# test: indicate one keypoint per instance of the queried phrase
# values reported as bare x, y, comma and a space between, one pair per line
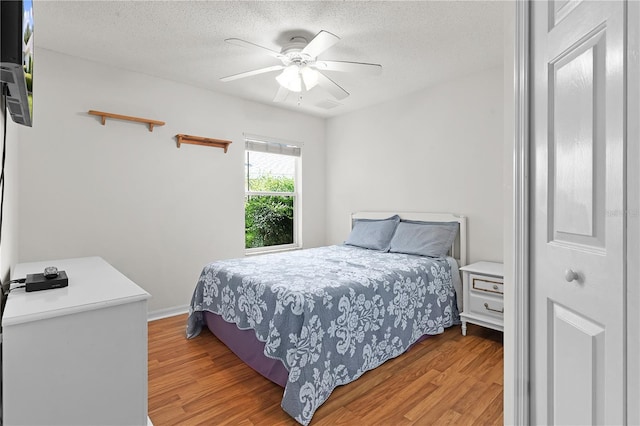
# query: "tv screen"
16, 58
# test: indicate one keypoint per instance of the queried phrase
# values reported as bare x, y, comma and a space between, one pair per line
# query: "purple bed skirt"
250, 350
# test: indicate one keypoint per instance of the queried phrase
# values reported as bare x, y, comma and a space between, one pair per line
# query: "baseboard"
168, 312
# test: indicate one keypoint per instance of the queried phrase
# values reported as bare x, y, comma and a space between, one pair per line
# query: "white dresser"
75, 355
483, 289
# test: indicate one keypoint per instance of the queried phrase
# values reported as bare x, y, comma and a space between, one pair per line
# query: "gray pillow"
374, 234
432, 239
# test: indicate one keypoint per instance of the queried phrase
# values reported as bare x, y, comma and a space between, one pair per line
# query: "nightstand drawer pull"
495, 286
486, 306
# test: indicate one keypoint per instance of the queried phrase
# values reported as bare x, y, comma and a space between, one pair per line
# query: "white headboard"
459, 247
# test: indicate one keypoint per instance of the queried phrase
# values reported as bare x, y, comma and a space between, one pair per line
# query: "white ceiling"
418, 43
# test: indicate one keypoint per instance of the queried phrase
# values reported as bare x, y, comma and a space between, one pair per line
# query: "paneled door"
577, 220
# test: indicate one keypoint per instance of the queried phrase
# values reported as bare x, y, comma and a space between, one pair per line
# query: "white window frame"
277, 146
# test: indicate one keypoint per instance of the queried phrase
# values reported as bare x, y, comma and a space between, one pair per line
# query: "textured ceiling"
418, 43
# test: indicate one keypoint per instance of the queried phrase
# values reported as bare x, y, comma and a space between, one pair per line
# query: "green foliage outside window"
269, 218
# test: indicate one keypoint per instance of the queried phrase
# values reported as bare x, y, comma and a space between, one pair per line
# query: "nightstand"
482, 301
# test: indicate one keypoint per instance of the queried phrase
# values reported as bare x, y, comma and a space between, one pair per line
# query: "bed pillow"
433, 239
374, 234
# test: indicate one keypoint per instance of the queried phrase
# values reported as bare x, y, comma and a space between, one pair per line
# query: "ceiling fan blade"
249, 45
282, 94
345, 66
332, 87
321, 42
252, 73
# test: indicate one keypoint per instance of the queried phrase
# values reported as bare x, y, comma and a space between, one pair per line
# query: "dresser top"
93, 284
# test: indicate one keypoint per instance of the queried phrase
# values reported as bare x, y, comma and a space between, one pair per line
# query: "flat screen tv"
16, 58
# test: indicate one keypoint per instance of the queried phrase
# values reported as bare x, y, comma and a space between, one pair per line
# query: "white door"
578, 199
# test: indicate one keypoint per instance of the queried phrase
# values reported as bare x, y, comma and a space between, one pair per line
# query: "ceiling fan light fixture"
290, 78
309, 76
300, 68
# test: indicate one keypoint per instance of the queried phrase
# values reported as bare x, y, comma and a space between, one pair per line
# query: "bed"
314, 319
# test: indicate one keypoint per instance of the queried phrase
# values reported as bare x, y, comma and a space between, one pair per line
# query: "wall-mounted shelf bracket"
105, 115
199, 140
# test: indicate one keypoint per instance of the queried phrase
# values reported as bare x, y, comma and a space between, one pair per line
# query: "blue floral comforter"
329, 314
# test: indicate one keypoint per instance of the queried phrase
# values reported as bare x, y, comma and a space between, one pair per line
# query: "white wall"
437, 150
155, 212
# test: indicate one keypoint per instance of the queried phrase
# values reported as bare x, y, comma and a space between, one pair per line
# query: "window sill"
273, 250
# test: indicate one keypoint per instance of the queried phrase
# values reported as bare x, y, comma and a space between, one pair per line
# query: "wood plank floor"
446, 379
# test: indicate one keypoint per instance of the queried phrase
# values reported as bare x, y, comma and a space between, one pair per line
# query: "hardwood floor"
446, 379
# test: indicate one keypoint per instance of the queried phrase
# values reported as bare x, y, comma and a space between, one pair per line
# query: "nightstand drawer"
486, 284
486, 306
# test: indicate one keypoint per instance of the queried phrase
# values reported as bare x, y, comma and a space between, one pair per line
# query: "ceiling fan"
301, 67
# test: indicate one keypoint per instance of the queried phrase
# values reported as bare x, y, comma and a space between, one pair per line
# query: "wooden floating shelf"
106, 115
199, 140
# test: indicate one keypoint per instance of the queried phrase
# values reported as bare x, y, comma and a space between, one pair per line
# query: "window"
271, 195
